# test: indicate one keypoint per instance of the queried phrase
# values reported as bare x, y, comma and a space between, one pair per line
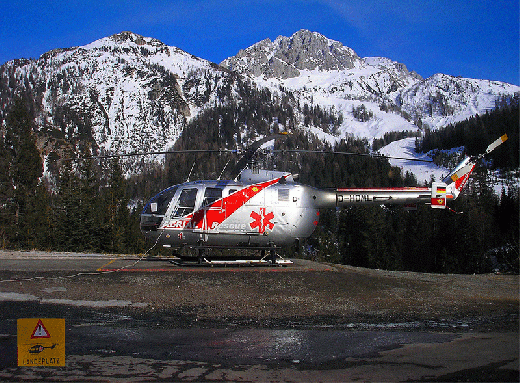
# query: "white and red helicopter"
264, 209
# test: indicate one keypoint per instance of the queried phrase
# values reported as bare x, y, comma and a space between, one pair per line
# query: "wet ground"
130, 319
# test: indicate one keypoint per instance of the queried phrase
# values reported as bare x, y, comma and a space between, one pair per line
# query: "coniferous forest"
88, 205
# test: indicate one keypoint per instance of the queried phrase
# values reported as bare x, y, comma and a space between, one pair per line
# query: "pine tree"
118, 216
90, 220
66, 209
41, 219
506, 218
7, 206
25, 170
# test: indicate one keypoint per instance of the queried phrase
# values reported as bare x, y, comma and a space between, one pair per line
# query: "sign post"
41, 342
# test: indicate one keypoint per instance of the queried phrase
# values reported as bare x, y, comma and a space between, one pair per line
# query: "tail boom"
371, 196
392, 196
437, 195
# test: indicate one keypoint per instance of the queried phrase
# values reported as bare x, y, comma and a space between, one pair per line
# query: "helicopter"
264, 210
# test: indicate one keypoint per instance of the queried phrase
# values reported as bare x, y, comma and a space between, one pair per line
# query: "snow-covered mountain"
125, 92
324, 72
129, 93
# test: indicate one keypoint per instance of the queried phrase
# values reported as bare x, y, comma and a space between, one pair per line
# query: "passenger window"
231, 191
186, 202
211, 195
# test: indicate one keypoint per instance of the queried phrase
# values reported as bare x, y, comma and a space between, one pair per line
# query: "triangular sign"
40, 331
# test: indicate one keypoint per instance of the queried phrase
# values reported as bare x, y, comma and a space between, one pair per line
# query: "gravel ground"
306, 293
131, 319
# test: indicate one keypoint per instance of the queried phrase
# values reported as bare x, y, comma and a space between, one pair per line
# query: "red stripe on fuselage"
461, 181
221, 209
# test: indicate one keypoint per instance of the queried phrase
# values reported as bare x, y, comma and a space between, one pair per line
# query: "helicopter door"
186, 202
281, 203
289, 212
212, 207
211, 195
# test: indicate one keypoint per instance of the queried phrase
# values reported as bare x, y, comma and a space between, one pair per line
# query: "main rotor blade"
350, 154
162, 152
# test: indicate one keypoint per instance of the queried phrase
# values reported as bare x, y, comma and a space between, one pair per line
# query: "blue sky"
469, 38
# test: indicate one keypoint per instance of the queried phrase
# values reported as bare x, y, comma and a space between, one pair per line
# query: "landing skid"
267, 257
234, 262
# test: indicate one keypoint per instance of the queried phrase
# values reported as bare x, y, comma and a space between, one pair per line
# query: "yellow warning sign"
41, 342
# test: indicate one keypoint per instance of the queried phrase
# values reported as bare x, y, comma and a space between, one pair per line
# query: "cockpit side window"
211, 195
186, 202
159, 204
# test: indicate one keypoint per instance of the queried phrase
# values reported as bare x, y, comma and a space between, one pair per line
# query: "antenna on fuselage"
189, 175
223, 170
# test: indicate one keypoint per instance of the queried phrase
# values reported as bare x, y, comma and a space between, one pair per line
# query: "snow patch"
423, 171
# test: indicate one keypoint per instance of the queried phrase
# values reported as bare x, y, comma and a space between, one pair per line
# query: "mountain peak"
285, 57
129, 41
127, 36
306, 36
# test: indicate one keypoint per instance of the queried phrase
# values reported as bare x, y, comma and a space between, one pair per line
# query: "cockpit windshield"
153, 213
159, 204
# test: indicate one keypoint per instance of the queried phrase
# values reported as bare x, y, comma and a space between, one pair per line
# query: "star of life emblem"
262, 220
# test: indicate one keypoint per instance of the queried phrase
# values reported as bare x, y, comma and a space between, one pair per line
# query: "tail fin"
458, 178
451, 186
